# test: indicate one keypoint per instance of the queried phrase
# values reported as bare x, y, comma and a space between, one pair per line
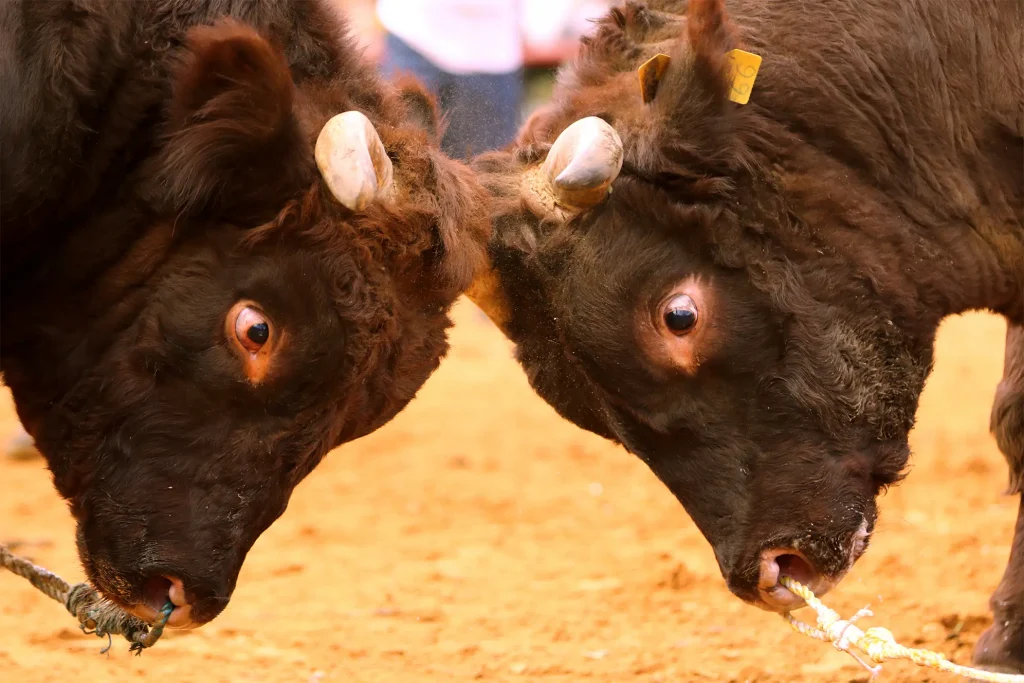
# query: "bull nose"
779, 562
157, 592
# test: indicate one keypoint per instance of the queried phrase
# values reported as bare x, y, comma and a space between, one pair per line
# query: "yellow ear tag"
743, 68
650, 73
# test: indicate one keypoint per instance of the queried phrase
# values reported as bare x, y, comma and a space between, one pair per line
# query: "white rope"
877, 643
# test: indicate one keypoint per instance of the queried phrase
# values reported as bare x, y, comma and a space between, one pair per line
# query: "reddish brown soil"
480, 537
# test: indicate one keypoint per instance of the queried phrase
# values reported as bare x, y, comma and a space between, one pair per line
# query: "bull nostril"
176, 592
159, 589
156, 592
779, 562
790, 562
796, 568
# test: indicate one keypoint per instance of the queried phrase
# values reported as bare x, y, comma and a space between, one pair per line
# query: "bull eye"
252, 329
680, 315
258, 333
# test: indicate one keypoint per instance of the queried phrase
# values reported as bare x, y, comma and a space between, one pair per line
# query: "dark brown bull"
752, 308
227, 249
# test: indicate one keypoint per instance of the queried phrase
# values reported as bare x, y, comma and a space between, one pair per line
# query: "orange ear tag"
743, 68
650, 73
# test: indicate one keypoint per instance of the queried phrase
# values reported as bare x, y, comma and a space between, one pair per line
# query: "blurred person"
472, 55
469, 53
553, 28
364, 26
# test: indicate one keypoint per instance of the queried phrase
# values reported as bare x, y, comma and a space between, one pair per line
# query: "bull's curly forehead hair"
432, 224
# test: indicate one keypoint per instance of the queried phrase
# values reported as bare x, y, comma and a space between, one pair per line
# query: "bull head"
353, 161
576, 175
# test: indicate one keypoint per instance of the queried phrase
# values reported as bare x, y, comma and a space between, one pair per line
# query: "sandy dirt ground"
480, 537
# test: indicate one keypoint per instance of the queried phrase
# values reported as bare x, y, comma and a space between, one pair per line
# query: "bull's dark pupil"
258, 333
680, 319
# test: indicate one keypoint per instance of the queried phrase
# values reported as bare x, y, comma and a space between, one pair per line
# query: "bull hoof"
1001, 649
22, 447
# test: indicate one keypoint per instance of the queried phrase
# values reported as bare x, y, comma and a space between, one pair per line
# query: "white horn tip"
584, 161
352, 160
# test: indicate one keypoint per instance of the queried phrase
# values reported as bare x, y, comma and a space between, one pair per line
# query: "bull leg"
1001, 647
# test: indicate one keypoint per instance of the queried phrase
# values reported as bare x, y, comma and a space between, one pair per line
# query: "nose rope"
877, 643
95, 614
99, 616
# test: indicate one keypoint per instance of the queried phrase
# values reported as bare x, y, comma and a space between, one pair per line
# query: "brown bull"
227, 249
746, 295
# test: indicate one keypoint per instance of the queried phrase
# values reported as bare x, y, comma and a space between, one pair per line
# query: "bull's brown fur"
873, 185
157, 167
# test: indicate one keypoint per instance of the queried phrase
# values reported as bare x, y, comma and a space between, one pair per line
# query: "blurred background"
489, 62
479, 536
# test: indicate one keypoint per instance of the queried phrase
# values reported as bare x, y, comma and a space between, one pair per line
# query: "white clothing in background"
485, 36
549, 21
459, 36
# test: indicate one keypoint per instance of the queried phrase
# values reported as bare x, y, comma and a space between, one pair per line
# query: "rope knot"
837, 633
95, 614
81, 597
877, 643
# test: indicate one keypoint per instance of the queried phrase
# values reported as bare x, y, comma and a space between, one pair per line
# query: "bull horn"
582, 164
353, 161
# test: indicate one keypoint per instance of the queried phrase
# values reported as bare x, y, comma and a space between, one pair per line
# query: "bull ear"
420, 106
233, 141
711, 38
695, 80
688, 105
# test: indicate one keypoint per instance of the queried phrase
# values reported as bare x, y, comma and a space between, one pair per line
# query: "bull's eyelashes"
253, 337
680, 315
